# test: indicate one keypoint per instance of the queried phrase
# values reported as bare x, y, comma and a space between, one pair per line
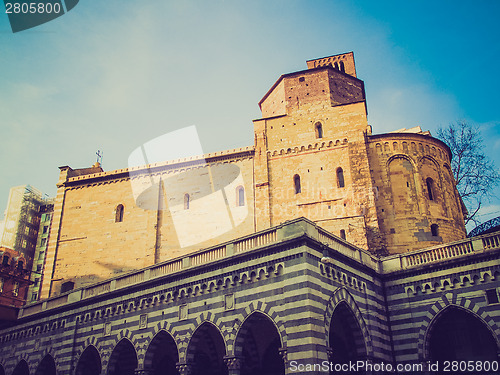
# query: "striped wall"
296, 279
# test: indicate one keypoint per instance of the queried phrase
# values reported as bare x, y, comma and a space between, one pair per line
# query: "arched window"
340, 178
318, 128
342, 234
430, 188
186, 201
342, 67
296, 183
67, 286
336, 65
119, 213
240, 196
434, 230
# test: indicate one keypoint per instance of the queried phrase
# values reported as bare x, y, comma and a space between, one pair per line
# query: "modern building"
322, 249
45, 212
21, 220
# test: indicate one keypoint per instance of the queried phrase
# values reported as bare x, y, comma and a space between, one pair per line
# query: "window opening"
119, 213
430, 188
318, 128
342, 234
340, 178
296, 182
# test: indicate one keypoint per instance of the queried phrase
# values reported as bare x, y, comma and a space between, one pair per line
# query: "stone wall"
416, 190
295, 282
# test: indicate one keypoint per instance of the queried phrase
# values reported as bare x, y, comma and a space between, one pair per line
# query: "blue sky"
111, 75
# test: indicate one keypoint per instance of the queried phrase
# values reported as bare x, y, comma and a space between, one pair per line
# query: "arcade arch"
89, 362
47, 366
346, 337
21, 368
206, 351
456, 334
258, 346
123, 359
162, 355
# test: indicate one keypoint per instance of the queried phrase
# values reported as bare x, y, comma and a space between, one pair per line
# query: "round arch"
123, 359
401, 156
431, 159
403, 180
47, 366
456, 333
162, 355
206, 351
89, 362
22, 368
258, 346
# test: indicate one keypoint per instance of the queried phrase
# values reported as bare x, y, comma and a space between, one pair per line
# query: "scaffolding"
22, 219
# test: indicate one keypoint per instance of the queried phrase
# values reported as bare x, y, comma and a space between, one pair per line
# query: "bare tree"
475, 174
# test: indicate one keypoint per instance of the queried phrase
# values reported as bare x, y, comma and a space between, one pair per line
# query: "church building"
321, 249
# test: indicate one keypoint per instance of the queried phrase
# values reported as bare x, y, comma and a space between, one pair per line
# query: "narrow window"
34, 296
240, 196
434, 230
186, 201
5, 261
430, 188
340, 178
67, 286
342, 67
296, 182
45, 229
342, 234
119, 213
336, 65
318, 128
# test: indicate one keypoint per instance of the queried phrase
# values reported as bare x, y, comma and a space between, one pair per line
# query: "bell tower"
311, 157
343, 62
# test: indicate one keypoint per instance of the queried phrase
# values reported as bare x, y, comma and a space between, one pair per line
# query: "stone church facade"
314, 156
328, 247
